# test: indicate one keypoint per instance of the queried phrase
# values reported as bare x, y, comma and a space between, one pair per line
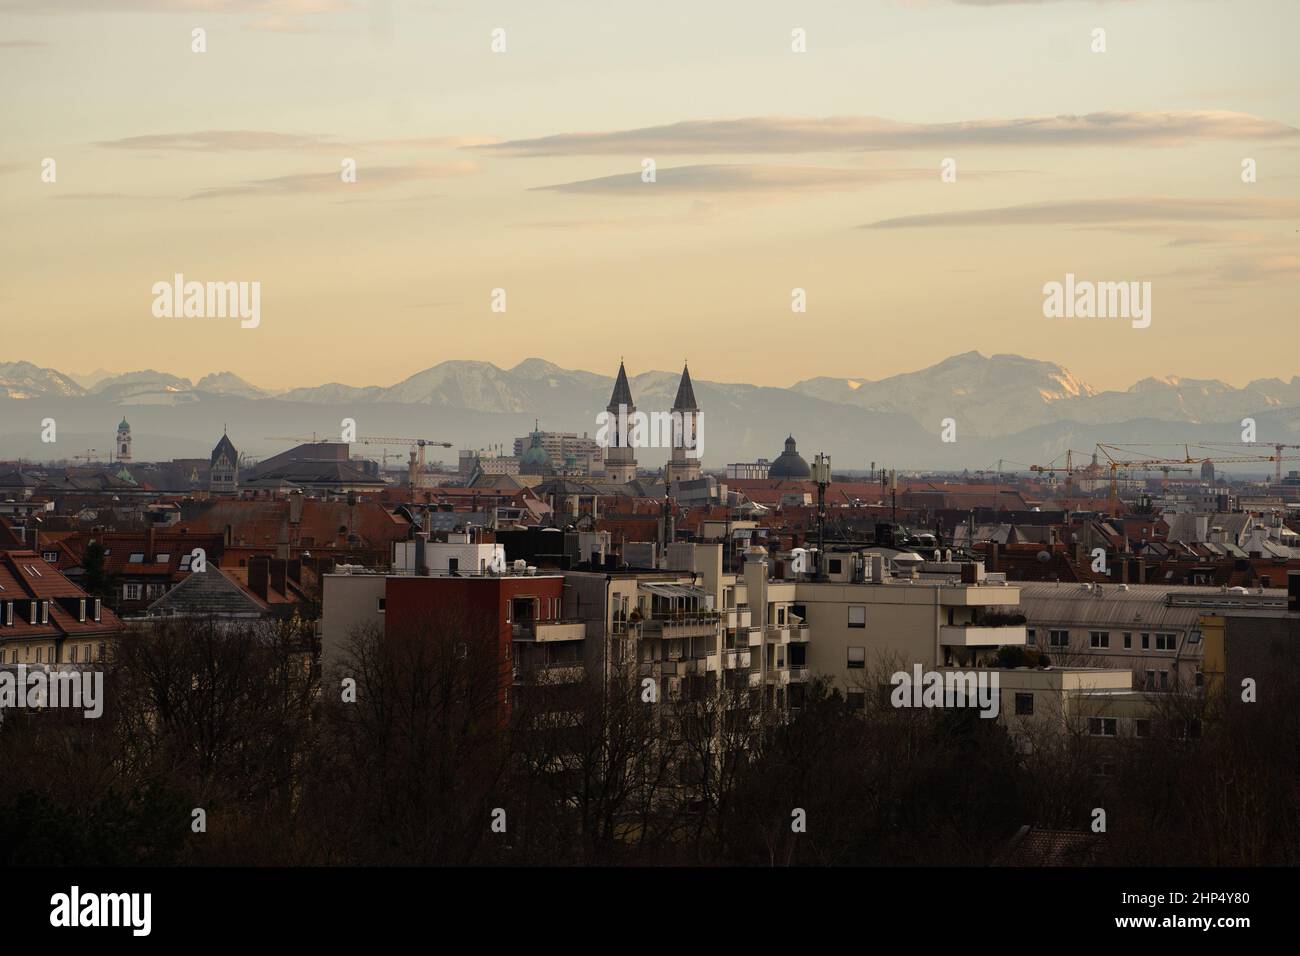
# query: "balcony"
738, 617
755, 638
972, 635
568, 672
542, 631
734, 659
694, 625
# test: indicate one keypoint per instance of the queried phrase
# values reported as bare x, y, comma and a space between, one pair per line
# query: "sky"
775, 170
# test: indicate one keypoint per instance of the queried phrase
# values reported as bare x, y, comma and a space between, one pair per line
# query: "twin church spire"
684, 465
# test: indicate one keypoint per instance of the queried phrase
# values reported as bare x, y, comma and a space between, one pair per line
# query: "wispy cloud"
740, 178
22, 44
865, 133
368, 177
245, 140
178, 6
1093, 211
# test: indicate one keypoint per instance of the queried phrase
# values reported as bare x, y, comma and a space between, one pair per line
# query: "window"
101, 651
131, 592
1025, 704
72, 654
857, 615
162, 558
185, 562
1031, 638
833, 566
153, 590
1200, 679
137, 557
1164, 680
1100, 638
1058, 638
1150, 683
857, 700
50, 556
1146, 642
1102, 726
1128, 641
1142, 727
857, 658
40, 654
381, 604
1166, 642
1194, 637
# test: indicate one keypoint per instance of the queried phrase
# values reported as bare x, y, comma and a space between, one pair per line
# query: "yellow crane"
1188, 459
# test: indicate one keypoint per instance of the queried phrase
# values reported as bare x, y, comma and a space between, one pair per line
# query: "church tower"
620, 460
685, 462
223, 471
124, 442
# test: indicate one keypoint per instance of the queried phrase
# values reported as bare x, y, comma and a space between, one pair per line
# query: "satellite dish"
1044, 556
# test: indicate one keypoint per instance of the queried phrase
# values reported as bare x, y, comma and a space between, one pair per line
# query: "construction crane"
415, 466
1277, 457
1051, 468
1187, 459
92, 454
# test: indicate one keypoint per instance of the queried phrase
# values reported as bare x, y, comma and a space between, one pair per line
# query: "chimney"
259, 569
295, 570
278, 568
991, 561
150, 548
295, 508
421, 555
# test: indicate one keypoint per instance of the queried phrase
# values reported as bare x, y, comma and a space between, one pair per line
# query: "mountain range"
1004, 406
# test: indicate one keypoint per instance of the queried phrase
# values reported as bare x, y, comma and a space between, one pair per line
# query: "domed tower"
124, 441
789, 464
620, 460
685, 462
535, 460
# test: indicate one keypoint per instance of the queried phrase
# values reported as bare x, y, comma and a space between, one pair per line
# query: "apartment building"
1154, 631
46, 619
459, 584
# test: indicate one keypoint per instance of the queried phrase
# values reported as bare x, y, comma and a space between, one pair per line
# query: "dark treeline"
410, 753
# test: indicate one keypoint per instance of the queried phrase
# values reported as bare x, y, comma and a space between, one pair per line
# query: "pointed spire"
685, 394
622, 391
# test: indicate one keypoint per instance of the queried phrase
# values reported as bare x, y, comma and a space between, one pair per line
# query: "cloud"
22, 44
222, 141
368, 177
867, 133
245, 140
1098, 211
740, 178
97, 196
291, 7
